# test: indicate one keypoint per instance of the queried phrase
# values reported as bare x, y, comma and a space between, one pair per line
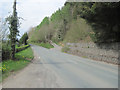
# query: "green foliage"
45, 45
79, 31
53, 29
61, 14
25, 54
80, 21
56, 16
10, 66
18, 49
6, 51
13, 27
40, 35
23, 39
104, 18
45, 21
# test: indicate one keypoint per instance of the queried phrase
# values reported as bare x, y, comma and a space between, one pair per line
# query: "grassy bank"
6, 50
22, 59
18, 49
45, 45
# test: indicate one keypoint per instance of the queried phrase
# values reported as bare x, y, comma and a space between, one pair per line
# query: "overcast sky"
33, 11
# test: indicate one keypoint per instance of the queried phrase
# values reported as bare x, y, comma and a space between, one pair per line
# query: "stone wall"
109, 52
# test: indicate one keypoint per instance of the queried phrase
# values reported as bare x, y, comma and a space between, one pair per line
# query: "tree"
104, 18
45, 21
23, 39
13, 27
3, 30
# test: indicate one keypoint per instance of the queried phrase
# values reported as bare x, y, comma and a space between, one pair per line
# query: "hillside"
76, 22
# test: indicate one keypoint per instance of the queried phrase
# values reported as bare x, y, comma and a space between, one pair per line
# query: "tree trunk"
13, 31
13, 52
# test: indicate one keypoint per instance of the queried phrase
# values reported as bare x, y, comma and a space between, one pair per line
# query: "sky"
32, 11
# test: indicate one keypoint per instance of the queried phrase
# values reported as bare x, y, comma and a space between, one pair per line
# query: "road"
52, 68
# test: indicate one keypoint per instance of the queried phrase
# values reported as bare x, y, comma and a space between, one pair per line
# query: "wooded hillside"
80, 21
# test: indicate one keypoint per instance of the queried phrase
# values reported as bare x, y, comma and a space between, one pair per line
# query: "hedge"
6, 51
18, 49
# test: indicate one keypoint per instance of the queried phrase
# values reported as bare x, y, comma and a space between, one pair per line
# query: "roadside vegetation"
23, 58
75, 22
45, 45
80, 22
22, 47
16, 53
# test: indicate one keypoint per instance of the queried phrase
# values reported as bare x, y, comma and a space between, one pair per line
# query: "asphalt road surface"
52, 68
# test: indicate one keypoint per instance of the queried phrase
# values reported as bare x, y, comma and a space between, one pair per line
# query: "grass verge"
22, 59
18, 49
45, 45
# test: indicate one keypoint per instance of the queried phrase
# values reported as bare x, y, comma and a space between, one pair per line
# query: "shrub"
6, 50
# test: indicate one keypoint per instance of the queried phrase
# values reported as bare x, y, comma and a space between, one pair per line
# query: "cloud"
33, 11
